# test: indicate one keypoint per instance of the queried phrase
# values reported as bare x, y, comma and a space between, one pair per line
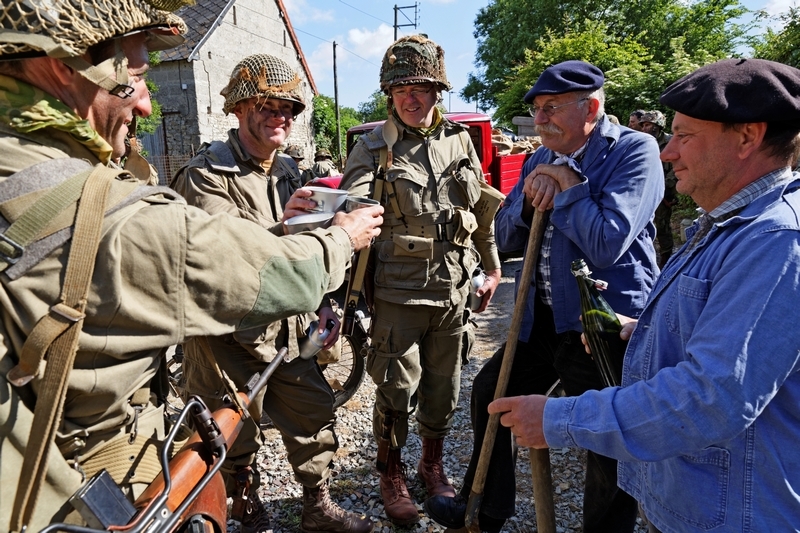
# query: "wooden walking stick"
540, 459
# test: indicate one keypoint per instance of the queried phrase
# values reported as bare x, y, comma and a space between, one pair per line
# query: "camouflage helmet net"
413, 59
263, 76
67, 28
322, 153
656, 117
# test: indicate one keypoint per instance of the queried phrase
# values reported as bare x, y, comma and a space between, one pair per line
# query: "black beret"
738, 91
566, 77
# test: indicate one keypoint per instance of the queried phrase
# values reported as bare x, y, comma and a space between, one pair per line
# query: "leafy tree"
594, 44
149, 124
323, 121
783, 45
373, 109
506, 29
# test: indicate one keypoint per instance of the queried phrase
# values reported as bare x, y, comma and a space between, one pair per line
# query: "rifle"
189, 491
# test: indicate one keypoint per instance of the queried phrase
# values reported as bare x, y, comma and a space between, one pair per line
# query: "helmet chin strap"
111, 74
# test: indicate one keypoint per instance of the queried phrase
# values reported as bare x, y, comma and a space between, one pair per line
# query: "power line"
364, 12
339, 45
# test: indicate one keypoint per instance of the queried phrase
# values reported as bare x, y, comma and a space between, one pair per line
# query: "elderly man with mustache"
599, 184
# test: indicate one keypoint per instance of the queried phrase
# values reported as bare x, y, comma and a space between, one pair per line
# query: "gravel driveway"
355, 482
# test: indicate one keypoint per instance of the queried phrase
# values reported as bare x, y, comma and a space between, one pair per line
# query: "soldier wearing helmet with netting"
248, 177
323, 164
438, 226
101, 274
655, 123
296, 152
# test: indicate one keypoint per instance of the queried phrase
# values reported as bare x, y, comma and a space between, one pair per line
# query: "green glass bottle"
601, 326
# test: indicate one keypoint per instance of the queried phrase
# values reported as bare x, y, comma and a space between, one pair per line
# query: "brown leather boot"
396, 500
322, 514
431, 470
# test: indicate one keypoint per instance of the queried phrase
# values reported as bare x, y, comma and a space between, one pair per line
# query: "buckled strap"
46, 330
30, 224
437, 232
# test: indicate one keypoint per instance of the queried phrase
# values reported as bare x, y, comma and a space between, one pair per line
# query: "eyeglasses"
416, 91
550, 110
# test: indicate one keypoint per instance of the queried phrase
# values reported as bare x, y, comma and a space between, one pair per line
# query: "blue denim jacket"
708, 417
606, 220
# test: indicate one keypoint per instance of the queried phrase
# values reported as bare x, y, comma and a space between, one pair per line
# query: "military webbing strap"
64, 342
28, 227
356, 282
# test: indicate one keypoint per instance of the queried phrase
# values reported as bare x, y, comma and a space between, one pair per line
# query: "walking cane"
540, 459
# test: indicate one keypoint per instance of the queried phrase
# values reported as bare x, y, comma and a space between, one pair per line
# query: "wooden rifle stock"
196, 459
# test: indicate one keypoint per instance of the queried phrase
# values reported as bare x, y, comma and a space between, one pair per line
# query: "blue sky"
363, 29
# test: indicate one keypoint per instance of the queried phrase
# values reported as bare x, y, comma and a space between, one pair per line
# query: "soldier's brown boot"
322, 514
396, 500
431, 470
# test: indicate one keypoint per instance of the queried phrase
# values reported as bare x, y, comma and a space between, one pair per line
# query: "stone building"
190, 77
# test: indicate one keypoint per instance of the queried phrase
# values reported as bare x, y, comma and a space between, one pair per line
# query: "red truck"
501, 171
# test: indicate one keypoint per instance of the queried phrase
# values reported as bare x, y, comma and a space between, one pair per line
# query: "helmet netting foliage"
70, 27
413, 59
263, 76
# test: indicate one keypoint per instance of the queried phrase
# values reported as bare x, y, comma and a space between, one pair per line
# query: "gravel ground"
355, 481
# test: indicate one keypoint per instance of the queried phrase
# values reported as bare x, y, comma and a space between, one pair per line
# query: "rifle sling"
356, 282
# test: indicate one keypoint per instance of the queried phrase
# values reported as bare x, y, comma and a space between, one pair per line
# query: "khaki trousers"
415, 361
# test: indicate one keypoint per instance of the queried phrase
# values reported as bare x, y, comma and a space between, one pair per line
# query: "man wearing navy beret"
706, 425
600, 185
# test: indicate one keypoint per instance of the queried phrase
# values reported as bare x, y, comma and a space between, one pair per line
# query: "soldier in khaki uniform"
248, 178
71, 81
432, 239
323, 164
296, 153
654, 123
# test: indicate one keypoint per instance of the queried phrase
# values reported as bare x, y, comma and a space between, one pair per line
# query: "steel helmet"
655, 117
294, 151
67, 29
263, 76
413, 59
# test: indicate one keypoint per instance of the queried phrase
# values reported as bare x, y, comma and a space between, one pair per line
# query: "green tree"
149, 124
323, 121
373, 109
507, 29
783, 45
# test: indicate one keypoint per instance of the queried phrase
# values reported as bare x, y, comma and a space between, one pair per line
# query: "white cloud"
300, 13
370, 44
776, 7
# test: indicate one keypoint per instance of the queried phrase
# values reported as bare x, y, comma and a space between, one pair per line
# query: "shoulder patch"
374, 139
218, 156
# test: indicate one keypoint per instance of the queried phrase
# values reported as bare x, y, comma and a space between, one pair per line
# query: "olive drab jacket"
164, 272
431, 240
224, 178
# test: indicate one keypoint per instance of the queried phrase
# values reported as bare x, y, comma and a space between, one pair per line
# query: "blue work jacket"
606, 220
707, 422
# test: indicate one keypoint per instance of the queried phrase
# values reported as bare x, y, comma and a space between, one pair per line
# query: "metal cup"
357, 202
312, 343
328, 200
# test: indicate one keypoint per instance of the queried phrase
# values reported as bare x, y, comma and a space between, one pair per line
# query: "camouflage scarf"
424, 132
27, 108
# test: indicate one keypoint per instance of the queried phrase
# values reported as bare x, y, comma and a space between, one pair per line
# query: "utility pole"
336, 102
414, 23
